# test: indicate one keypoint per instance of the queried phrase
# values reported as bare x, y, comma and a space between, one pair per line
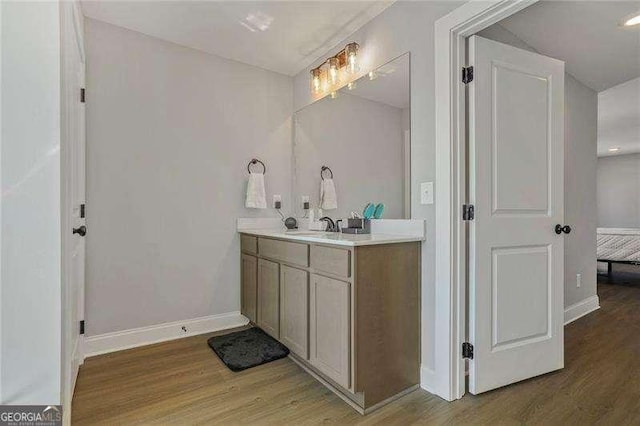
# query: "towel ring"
324, 169
255, 161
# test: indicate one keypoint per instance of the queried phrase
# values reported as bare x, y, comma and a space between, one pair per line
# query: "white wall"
169, 133
619, 118
408, 27
619, 191
581, 110
30, 205
580, 202
362, 142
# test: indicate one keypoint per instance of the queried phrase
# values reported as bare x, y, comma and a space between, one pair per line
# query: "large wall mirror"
363, 135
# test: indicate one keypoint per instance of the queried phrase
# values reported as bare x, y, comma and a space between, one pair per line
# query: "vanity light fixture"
326, 77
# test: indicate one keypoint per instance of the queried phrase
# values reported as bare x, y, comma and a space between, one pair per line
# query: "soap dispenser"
311, 217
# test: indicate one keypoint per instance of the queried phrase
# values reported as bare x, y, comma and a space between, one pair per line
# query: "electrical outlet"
184, 329
426, 193
277, 201
305, 202
578, 280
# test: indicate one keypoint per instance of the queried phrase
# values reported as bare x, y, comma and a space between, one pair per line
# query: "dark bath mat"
247, 348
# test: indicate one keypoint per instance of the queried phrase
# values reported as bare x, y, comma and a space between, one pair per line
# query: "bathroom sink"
307, 233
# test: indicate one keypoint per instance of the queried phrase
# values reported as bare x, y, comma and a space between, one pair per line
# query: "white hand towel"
256, 197
328, 197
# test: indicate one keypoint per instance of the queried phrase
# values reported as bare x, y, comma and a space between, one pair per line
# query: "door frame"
451, 32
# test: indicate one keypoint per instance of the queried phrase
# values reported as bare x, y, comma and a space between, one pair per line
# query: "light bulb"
351, 85
334, 94
325, 85
372, 75
333, 70
316, 84
351, 52
352, 68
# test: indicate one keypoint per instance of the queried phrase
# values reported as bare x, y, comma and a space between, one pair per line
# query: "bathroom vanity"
347, 307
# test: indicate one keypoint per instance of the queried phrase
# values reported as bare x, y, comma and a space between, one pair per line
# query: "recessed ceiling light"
616, 149
632, 20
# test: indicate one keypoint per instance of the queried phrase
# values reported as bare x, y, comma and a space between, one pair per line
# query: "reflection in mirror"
363, 135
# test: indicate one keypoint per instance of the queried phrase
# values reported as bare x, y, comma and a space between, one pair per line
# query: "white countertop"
335, 238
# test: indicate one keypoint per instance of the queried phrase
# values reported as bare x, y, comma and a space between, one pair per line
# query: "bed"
619, 245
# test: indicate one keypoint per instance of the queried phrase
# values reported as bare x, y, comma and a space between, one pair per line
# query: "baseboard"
429, 382
127, 339
580, 309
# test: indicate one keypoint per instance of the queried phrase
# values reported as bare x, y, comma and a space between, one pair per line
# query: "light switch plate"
426, 193
578, 280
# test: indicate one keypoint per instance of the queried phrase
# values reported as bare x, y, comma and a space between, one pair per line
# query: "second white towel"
328, 197
256, 196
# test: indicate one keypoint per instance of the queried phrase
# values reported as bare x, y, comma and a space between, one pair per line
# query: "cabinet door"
269, 297
249, 289
329, 321
294, 310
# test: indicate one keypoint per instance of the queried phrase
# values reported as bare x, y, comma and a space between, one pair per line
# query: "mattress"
619, 244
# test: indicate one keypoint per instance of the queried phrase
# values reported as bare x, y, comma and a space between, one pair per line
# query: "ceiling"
586, 35
619, 119
281, 36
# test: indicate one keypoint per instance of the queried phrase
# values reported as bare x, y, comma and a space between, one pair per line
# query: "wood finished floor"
183, 382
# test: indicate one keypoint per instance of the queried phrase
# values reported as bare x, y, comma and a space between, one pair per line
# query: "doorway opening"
508, 320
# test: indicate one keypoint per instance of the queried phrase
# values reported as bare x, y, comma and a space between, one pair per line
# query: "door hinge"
468, 212
467, 75
82, 327
81, 211
467, 350
82, 95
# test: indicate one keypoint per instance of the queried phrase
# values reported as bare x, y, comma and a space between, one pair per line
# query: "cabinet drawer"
295, 253
249, 244
331, 260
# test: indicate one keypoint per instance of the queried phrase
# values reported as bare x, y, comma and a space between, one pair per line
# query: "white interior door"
73, 195
516, 149
78, 218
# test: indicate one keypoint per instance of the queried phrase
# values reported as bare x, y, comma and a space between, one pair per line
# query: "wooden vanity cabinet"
349, 315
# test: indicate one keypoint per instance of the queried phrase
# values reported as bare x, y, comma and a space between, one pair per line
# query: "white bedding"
619, 244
